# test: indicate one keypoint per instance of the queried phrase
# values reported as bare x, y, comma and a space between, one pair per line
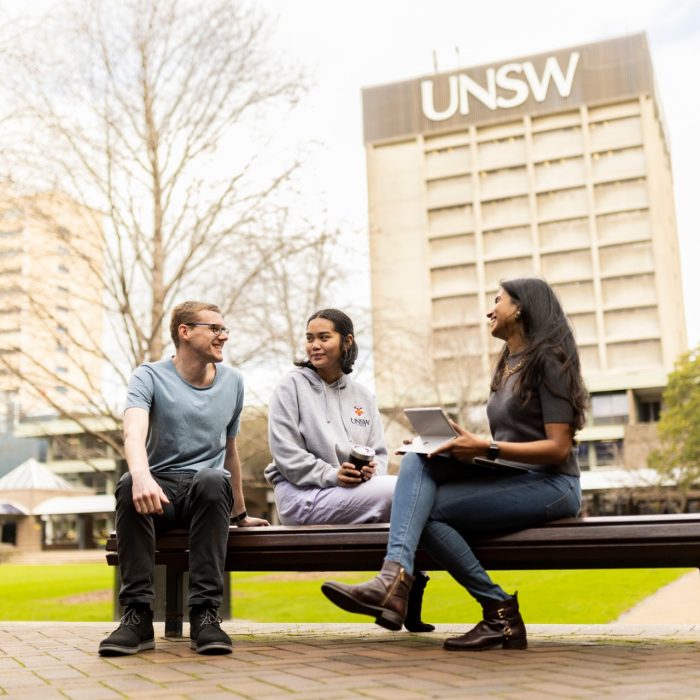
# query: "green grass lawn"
83, 592
59, 592
553, 597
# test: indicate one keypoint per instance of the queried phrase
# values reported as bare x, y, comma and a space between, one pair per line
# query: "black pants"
199, 501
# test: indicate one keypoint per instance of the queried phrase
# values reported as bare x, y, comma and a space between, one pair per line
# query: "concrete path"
342, 662
678, 603
54, 557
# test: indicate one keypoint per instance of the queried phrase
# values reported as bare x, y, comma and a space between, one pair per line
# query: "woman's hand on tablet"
464, 447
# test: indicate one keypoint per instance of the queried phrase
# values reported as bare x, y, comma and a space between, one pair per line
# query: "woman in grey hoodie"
316, 415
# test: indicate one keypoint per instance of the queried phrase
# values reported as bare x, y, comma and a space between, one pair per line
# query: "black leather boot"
413, 623
502, 626
385, 597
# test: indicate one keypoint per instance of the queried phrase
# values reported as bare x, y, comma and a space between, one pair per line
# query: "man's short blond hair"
187, 313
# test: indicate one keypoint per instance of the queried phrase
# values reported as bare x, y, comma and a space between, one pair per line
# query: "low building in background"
40, 510
85, 452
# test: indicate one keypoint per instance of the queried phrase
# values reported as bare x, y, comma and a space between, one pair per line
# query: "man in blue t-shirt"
181, 420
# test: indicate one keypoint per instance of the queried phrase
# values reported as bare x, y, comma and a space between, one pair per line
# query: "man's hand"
147, 495
348, 476
249, 521
464, 447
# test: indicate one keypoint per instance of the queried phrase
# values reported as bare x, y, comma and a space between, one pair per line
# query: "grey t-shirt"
512, 421
188, 425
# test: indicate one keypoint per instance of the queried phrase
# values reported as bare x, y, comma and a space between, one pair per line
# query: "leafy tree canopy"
679, 427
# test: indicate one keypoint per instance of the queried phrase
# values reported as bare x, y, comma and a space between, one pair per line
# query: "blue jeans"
437, 504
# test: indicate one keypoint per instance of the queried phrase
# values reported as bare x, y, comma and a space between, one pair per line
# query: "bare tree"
289, 289
141, 123
430, 367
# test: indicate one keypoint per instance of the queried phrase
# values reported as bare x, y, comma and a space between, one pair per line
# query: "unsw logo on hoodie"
357, 418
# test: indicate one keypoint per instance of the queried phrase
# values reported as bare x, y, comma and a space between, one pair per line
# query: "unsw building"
554, 165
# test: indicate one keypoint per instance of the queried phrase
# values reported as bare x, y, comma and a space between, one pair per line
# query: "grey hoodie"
312, 426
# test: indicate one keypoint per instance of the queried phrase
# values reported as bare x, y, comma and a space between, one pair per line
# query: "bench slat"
672, 540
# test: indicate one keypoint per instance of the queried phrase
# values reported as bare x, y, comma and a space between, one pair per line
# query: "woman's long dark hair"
549, 338
342, 323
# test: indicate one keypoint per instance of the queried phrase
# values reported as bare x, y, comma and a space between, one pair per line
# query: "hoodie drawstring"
325, 401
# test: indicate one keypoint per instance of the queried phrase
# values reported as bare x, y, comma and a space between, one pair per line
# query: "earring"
517, 314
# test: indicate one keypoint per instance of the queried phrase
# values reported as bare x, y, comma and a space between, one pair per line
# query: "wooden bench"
615, 542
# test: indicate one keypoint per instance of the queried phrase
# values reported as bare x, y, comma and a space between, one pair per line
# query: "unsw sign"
543, 83
506, 87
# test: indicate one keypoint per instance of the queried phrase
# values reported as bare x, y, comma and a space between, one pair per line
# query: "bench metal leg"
174, 596
117, 610
170, 604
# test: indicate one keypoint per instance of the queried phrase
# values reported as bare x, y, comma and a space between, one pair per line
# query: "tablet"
432, 427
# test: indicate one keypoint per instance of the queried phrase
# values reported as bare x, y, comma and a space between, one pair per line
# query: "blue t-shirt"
188, 425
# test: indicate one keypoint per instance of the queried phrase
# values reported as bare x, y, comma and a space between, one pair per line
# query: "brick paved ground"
337, 662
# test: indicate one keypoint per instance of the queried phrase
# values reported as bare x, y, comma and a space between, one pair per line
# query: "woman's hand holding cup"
348, 475
359, 468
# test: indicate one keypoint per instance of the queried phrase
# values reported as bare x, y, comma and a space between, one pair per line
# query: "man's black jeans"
199, 501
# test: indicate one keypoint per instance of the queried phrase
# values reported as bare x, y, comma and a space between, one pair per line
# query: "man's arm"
232, 462
147, 495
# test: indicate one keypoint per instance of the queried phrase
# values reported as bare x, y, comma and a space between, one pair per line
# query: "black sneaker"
206, 635
134, 634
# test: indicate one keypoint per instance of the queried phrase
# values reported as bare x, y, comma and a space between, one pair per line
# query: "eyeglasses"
215, 328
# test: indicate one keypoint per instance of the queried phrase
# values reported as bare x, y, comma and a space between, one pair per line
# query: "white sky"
345, 46
349, 45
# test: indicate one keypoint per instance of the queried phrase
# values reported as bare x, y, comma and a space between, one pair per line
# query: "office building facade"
51, 319
555, 165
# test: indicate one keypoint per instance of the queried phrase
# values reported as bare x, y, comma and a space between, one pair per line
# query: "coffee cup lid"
362, 452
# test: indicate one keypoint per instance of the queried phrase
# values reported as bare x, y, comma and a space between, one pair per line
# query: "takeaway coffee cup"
361, 456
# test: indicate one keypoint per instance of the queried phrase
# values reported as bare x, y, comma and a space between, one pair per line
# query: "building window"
649, 410
10, 252
610, 409
608, 453
10, 289
11, 213
584, 456
60, 389
63, 268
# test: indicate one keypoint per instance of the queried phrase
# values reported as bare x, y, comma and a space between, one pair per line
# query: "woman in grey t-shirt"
537, 403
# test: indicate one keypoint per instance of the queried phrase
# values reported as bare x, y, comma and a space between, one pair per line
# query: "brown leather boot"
413, 622
384, 597
502, 626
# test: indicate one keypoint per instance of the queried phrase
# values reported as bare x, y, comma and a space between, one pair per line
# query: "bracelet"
239, 517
